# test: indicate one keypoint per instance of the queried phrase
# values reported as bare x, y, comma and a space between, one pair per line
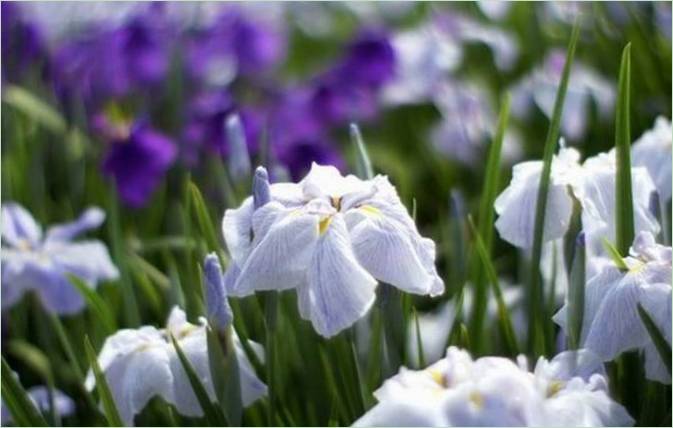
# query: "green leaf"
625, 230
576, 288
663, 348
271, 320
504, 320
486, 214
224, 371
31, 356
109, 406
214, 417
419, 341
535, 301
203, 218
613, 253
363, 166
35, 108
117, 245
18, 402
98, 305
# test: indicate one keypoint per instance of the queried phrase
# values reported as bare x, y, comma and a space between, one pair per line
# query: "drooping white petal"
194, 345
339, 290
409, 410
236, 228
136, 367
18, 226
385, 250
252, 388
516, 207
90, 219
569, 364
657, 302
598, 198
653, 151
280, 260
616, 326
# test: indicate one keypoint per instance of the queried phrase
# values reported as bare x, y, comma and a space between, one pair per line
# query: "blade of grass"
363, 166
213, 416
35, 108
486, 214
576, 293
109, 406
225, 373
18, 402
203, 219
625, 230
96, 303
663, 348
534, 298
419, 341
271, 321
613, 253
504, 320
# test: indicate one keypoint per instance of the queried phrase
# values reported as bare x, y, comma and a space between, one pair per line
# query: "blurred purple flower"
33, 262
204, 129
349, 91
137, 159
22, 42
236, 43
110, 62
584, 86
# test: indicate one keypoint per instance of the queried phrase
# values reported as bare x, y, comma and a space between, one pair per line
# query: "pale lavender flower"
329, 237
592, 184
569, 390
142, 363
33, 262
584, 86
611, 324
653, 151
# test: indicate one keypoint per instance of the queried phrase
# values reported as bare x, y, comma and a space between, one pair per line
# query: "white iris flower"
331, 237
653, 151
611, 323
140, 364
570, 390
591, 183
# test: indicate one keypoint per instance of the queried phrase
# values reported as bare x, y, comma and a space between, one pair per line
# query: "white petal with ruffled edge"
282, 257
339, 290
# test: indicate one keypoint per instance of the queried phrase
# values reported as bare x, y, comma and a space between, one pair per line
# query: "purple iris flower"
205, 125
137, 159
22, 42
236, 43
349, 91
110, 62
370, 59
63, 405
33, 262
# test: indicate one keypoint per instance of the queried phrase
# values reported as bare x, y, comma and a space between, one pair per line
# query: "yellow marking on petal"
370, 210
554, 388
323, 225
438, 377
639, 267
477, 399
